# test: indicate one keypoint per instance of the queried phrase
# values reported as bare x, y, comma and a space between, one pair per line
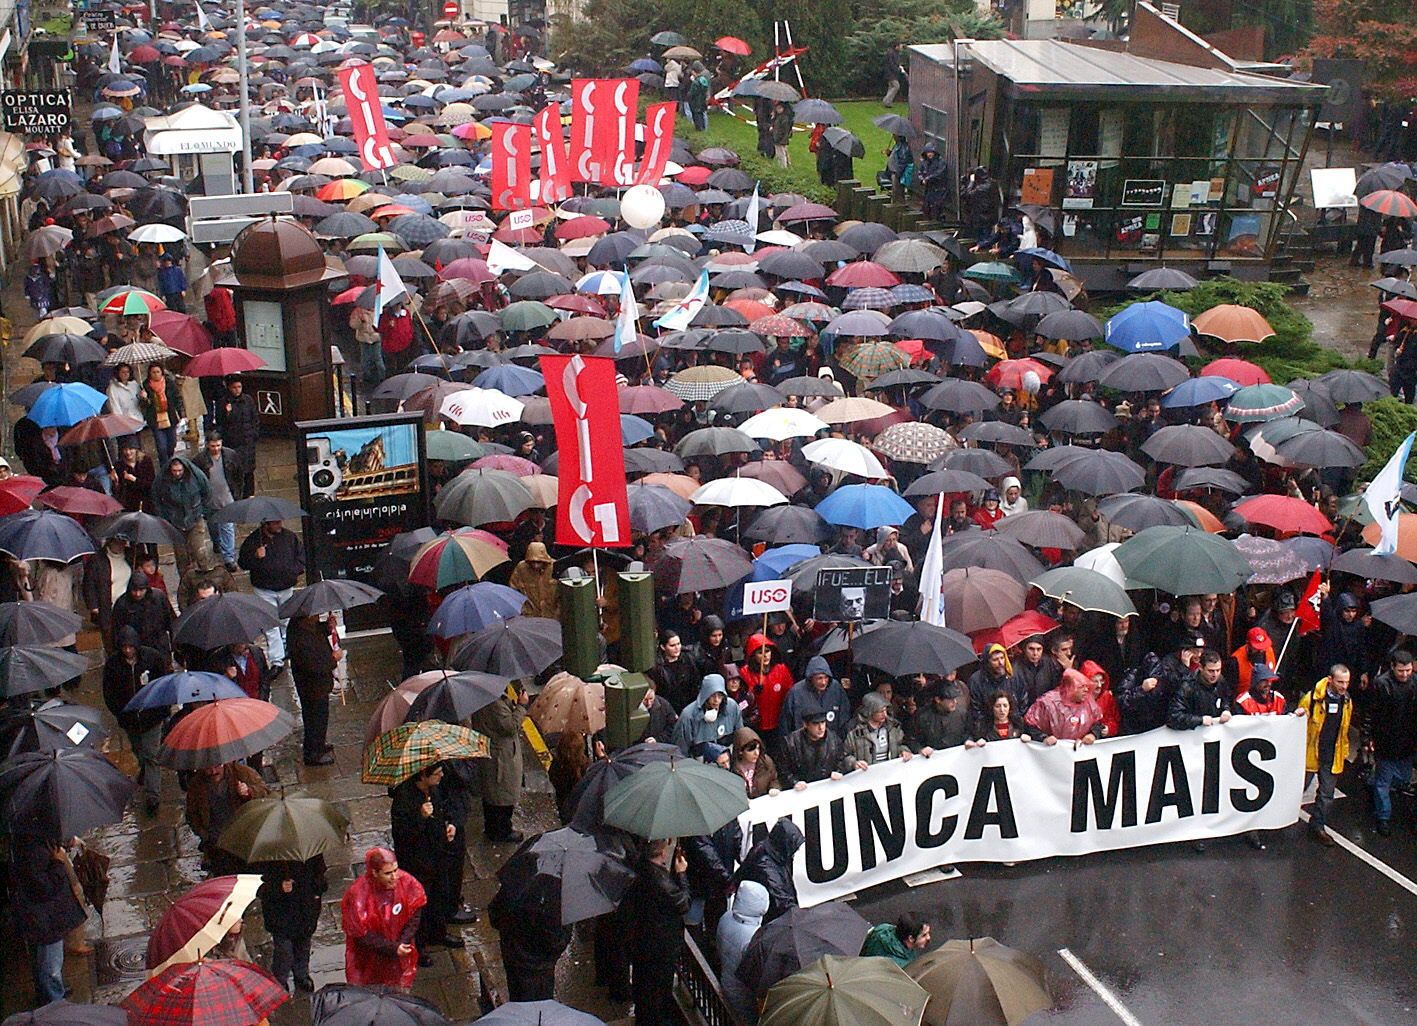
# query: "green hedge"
1393, 420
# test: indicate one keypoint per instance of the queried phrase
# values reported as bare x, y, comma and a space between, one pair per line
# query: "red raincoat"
769, 689
1106, 701
370, 910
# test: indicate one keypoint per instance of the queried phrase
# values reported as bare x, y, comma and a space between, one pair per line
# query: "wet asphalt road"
1298, 934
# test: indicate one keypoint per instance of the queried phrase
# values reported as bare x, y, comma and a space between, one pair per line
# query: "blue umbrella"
1199, 391
1147, 327
634, 430
43, 534
473, 607
183, 688
509, 379
773, 563
865, 506
1047, 256
646, 65
66, 404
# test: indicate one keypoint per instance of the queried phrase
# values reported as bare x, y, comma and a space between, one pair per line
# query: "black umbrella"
996, 432
1088, 367
1321, 449
222, 620
977, 461
798, 938
1099, 472
1144, 372
803, 575
654, 507
955, 395
62, 1013
1042, 529
844, 142
1351, 386
66, 348
1072, 325
35, 623
937, 482
895, 125
587, 798
1212, 477
576, 876
748, 397
44, 534
257, 510
1399, 611
1138, 512
652, 461
25, 669
784, 525
1162, 279
456, 697
990, 551
142, 528
1318, 405
1365, 563
522, 646
391, 568
327, 596
901, 648
1078, 417
53, 726
62, 793
343, 1004
1188, 445
713, 441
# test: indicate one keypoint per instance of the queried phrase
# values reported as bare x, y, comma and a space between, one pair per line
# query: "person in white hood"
1012, 497
735, 931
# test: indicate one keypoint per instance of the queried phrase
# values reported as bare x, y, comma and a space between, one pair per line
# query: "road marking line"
1099, 988
1405, 882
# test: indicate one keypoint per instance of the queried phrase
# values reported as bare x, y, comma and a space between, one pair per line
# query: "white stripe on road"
1099, 988
1405, 882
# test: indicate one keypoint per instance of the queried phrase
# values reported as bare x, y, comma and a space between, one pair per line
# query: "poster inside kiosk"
1012, 801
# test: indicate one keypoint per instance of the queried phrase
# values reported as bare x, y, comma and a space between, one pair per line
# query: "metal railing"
699, 995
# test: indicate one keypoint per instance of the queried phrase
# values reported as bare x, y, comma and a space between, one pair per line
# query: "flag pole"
1285, 648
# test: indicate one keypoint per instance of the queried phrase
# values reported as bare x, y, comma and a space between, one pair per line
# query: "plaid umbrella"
697, 384
413, 747
139, 352
702, 564
419, 230
913, 442
220, 992
868, 360
227, 729
869, 299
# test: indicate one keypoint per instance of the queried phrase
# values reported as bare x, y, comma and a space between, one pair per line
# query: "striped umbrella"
458, 557
128, 301
227, 729
413, 747
1390, 203
1256, 403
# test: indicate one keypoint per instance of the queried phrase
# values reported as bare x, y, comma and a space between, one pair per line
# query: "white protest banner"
519, 219
1013, 801
766, 597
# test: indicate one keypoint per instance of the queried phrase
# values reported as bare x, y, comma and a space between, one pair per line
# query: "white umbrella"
481, 407
1104, 562
847, 457
782, 423
737, 492
156, 233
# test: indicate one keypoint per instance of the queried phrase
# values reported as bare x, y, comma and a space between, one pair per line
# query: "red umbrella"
18, 491
642, 399
1284, 513
1014, 629
198, 920
807, 212
101, 426
181, 332
227, 729
512, 464
1242, 372
778, 326
1009, 373
583, 227
696, 175
470, 268
861, 274
218, 993
80, 501
217, 363
576, 304
1405, 308
1390, 203
732, 44
144, 54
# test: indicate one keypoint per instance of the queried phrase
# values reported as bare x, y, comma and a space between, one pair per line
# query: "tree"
1378, 32
1288, 24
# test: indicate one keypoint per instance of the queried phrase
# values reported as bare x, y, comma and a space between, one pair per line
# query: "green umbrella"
1087, 589
838, 991
400, 753
453, 447
678, 798
284, 829
1183, 561
991, 270
981, 982
527, 315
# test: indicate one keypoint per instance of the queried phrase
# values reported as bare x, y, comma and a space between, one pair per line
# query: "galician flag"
932, 573
684, 311
502, 258
627, 320
753, 220
1384, 496
115, 61
388, 286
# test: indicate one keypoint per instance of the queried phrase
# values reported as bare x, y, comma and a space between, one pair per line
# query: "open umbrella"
846, 456
901, 648
1254, 404
53, 726
865, 506
25, 669
654, 507
225, 730
183, 688
977, 600
287, 828
1138, 512
574, 874
981, 982
258, 509
588, 797
42, 534
408, 749
835, 991
328, 596
1284, 513
219, 992
1088, 590
453, 697
463, 555
798, 938
141, 528
538, 1013
224, 619
1098, 472
1144, 372
704, 564
199, 920
343, 1004
1147, 326
1366, 563
1233, 323
520, 647
1078, 417
679, 798
1183, 561
988, 550
62, 793
786, 525
62, 1013
1042, 529
473, 607
1188, 445
35, 623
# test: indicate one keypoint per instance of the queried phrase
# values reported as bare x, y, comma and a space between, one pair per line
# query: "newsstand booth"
198, 143
1127, 160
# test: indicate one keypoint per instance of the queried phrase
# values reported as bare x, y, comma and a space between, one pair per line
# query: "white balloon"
642, 206
1031, 382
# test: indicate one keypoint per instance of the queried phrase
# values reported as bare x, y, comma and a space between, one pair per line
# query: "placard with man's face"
852, 594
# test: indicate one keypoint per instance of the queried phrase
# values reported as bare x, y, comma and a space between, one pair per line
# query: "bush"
1291, 353
1393, 420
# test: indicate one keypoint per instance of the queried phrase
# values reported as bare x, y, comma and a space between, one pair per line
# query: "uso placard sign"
45, 112
766, 597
